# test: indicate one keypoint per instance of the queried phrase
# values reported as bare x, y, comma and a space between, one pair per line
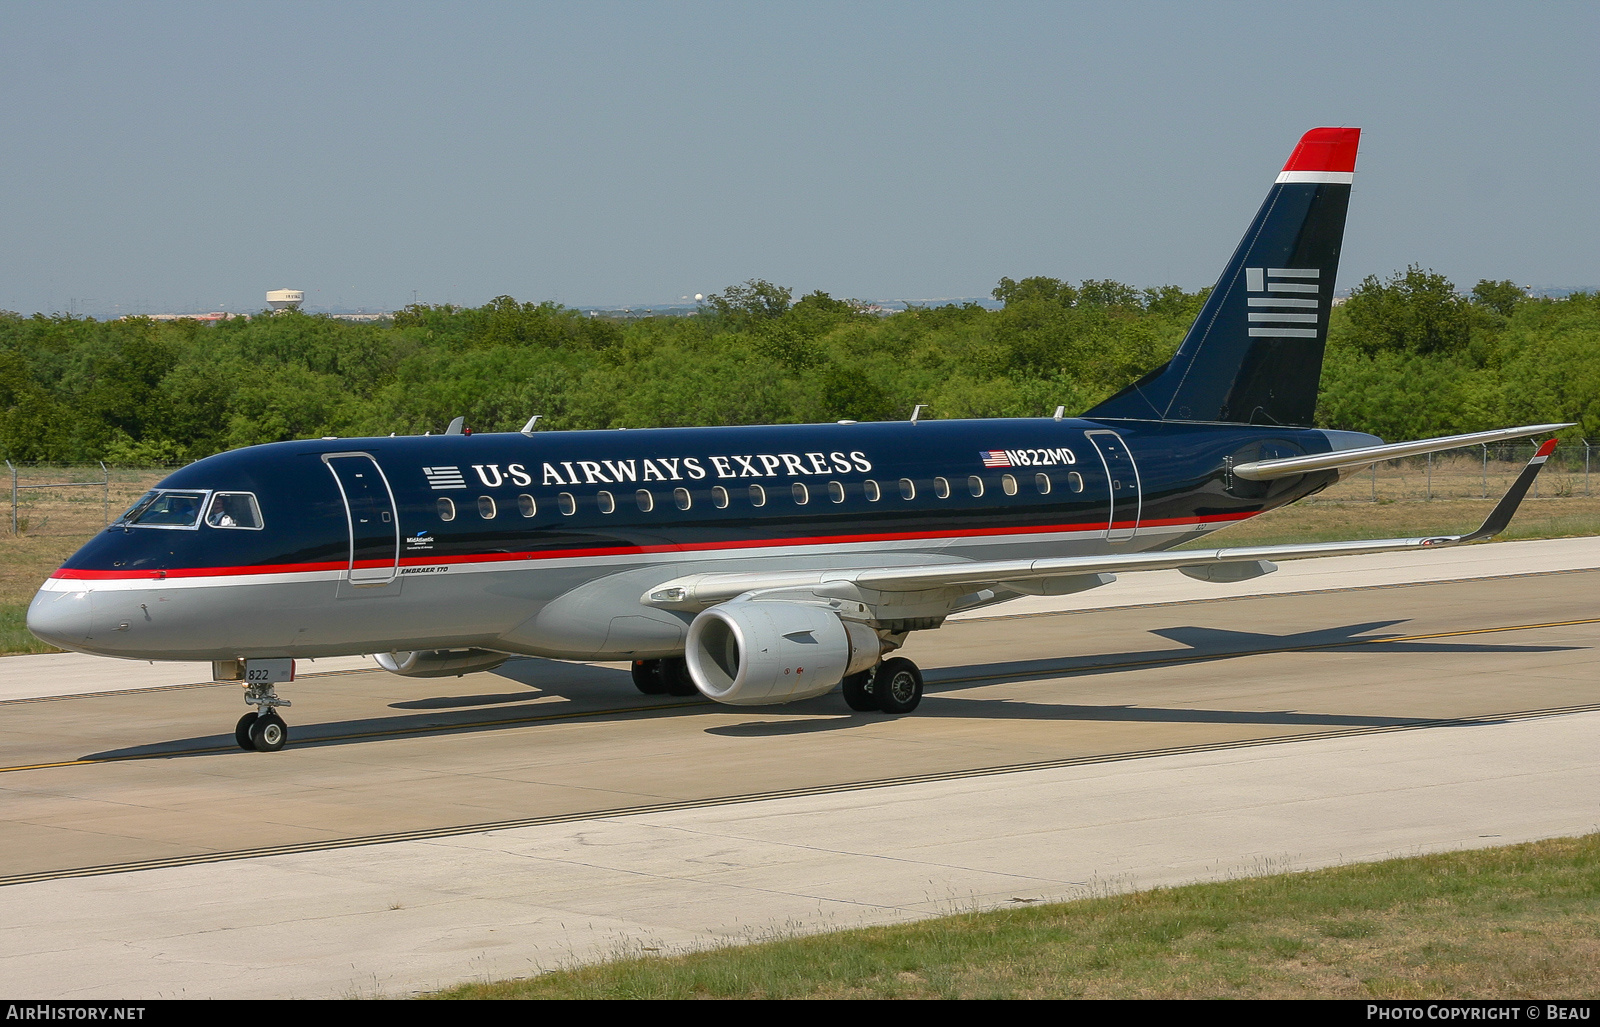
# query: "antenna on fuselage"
456, 426
527, 429
1060, 412
917, 412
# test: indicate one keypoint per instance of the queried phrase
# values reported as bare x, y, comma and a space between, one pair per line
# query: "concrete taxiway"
420, 833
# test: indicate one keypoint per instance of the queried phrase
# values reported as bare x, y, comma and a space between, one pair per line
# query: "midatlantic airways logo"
661, 468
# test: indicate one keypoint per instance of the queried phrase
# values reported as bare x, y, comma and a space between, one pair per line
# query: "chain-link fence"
1480, 472
60, 501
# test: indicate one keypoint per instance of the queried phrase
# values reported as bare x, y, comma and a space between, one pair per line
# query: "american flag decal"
445, 477
995, 458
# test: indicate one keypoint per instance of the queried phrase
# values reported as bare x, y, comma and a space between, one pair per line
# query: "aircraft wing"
1266, 470
1063, 575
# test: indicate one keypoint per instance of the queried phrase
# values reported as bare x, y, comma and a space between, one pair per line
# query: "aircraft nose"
60, 618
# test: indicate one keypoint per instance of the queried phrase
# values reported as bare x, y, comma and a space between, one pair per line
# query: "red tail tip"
1546, 449
1326, 149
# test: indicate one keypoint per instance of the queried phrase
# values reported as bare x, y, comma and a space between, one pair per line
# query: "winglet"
1500, 517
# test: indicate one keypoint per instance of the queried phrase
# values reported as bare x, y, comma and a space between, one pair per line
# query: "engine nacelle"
439, 663
753, 653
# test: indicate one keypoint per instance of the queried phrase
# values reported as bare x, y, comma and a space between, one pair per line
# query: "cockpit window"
168, 510
138, 506
234, 510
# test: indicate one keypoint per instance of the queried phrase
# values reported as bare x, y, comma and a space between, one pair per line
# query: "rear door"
369, 508
1122, 477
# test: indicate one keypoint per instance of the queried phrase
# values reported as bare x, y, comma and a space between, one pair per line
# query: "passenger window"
608, 502
870, 488
758, 496
1009, 484
1075, 481
569, 505
447, 510
941, 488
908, 489
802, 495
719, 497
526, 506
646, 500
1041, 481
681, 497
486, 508
836, 491
234, 510
975, 485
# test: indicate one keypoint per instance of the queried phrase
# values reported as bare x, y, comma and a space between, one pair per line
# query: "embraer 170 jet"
759, 564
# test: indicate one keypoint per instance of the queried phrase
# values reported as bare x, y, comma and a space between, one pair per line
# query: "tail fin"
1254, 355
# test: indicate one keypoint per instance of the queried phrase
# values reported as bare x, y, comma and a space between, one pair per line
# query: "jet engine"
439, 663
752, 653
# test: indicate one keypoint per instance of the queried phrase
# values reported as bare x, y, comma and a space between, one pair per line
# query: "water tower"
285, 299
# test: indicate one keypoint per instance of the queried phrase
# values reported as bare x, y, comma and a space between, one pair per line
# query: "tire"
858, 692
675, 673
647, 677
241, 733
269, 733
897, 686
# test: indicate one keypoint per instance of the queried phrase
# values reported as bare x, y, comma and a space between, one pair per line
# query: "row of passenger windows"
758, 495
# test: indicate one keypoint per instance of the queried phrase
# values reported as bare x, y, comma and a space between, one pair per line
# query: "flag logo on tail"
1283, 301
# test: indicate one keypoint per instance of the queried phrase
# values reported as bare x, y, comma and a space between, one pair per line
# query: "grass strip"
1516, 922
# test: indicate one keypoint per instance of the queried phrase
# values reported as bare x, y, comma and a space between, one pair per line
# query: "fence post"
1374, 482
13, 469
1485, 470
1430, 477
105, 502
1586, 467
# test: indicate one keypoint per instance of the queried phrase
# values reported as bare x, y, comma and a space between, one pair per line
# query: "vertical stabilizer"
1254, 355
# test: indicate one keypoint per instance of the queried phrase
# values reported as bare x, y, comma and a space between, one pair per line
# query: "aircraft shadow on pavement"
596, 691
1210, 644
609, 692
1204, 645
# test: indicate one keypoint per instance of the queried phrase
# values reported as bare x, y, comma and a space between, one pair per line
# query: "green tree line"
1408, 356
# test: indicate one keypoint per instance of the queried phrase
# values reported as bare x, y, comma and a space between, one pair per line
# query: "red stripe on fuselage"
625, 550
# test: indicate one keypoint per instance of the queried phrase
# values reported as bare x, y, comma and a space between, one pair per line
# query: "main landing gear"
664, 677
263, 731
893, 686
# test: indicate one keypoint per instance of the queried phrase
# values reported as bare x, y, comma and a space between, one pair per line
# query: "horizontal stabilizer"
1266, 470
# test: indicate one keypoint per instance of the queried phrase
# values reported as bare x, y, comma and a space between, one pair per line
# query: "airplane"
759, 564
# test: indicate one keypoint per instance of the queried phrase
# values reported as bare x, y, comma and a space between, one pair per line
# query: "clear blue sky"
192, 156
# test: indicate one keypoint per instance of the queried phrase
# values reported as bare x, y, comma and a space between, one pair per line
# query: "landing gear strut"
893, 686
263, 731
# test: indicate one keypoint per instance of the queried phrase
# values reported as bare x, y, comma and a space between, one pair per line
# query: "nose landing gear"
263, 731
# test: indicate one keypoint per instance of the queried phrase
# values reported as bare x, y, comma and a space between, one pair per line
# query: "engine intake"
439, 663
754, 653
